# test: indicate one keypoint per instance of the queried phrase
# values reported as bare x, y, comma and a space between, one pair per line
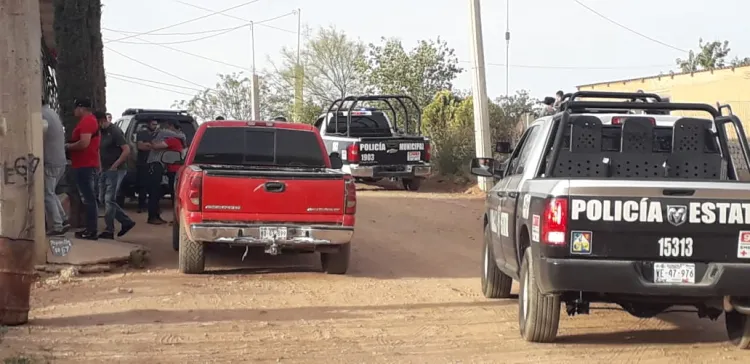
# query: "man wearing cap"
84, 157
167, 138
114, 151
142, 175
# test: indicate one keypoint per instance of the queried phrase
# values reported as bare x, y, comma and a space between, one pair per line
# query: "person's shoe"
87, 235
140, 210
162, 220
155, 221
56, 232
107, 235
126, 228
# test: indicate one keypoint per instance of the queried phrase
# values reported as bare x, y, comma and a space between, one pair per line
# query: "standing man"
114, 151
558, 100
54, 169
168, 138
143, 143
84, 157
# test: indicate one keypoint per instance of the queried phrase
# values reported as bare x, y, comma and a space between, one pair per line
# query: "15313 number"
676, 247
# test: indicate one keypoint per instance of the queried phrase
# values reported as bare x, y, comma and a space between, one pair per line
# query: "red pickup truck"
262, 184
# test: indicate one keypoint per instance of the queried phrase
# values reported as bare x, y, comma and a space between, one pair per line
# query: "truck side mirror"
503, 148
483, 167
336, 162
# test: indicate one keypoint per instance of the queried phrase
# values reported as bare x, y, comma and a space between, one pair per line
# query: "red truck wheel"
336, 263
191, 257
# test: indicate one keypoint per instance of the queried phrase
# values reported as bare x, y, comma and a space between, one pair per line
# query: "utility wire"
629, 29
588, 68
155, 68
171, 34
152, 81
181, 41
124, 79
238, 18
189, 20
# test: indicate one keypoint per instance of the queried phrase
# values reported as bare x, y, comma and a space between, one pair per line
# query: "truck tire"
411, 184
738, 329
495, 283
176, 236
336, 263
191, 257
538, 314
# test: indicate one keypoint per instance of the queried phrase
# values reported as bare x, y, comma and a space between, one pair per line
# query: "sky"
555, 44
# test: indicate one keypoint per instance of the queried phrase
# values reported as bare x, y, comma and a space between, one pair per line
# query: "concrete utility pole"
255, 92
479, 91
20, 146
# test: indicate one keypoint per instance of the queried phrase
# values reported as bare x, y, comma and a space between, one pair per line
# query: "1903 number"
369, 157
676, 247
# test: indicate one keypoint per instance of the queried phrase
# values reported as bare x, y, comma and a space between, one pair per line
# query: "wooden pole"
20, 156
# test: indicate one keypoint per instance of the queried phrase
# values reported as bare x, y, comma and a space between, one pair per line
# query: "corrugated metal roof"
671, 74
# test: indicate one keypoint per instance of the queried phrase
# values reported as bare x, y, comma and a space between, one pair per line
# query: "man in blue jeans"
54, 169
114, 151
84, 160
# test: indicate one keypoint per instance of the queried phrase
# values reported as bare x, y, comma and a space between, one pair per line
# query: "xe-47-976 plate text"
674, 273
273, 232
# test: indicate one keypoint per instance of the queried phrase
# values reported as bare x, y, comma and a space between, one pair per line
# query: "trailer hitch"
273, 249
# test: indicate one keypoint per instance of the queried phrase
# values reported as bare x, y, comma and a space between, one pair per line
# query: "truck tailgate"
393, 151
273, 192
675, 221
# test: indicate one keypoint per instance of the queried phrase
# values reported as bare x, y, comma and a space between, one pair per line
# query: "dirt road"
412, 297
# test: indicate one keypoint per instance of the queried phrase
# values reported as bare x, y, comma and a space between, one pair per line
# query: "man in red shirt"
168, 138
84, 156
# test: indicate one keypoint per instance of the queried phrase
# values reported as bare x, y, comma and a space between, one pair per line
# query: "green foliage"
421, 72
710, 55
80, 58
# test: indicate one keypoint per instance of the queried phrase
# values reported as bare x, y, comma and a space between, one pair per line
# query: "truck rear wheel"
411, 184
495, 284
336, 263
176, 236
738, 329
538, 314
191, 257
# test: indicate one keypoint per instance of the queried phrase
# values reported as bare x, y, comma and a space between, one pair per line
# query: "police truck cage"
349, 105
634, 146
154, 111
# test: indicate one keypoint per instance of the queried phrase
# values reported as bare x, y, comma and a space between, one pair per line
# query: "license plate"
273, 233
674, 273
413, 156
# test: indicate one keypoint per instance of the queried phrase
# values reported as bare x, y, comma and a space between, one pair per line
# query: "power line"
171, 34
629, 29
151, 86
189, 20
588, 68
155, 68
211, 59
184, 41
236, 17
152, 81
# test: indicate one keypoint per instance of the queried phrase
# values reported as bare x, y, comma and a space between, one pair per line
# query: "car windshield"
251, 146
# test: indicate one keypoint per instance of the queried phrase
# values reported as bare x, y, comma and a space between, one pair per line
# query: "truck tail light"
619, 120
352, 153
350, 195
195, 185
427, 152
555, 222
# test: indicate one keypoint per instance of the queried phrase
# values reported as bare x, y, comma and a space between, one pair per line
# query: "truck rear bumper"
250, 234
632, 278
399, 171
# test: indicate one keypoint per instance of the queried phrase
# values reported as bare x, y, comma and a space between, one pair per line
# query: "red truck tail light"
195, 185
352, 153
619, 120
555, 222
427, 152
350, 196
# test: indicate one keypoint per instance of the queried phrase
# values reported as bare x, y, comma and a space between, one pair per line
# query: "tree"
710, 55
739, 62
421, 72
329, 60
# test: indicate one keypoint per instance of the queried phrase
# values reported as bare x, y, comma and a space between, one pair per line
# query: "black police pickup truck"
372, 147
597, 204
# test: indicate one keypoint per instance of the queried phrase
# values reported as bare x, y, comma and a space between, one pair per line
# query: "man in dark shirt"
114, 151
143, 139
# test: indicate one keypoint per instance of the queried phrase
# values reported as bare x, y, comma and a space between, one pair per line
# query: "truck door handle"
678, 192
500, 194
274, 187
512, 194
